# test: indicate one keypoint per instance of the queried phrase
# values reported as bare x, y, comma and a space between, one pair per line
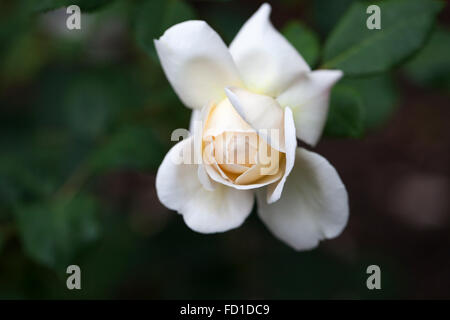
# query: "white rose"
241, 95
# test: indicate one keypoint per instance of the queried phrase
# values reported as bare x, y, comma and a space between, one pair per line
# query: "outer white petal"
267, 62
196, 116
196, 127
274, 190
262, 112
204, 178
313, 207
197, 63
309, 99
178, 188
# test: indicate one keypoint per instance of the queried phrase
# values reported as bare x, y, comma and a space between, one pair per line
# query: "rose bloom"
250, 102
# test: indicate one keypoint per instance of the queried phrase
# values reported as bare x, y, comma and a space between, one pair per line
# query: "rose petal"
196, 117
179, 188
216, 173
262, 112
224, 117
267, 62
274, 190
197, 63
309, 100
313, 207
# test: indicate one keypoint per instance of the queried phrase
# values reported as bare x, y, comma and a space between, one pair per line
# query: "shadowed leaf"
356, 50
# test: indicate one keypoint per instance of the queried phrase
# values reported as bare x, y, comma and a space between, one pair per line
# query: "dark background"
85, 120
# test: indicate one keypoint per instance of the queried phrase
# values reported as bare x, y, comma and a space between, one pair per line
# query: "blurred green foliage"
304, 40
360, 51
85, 5
431, 66
379, 98
78, 108
153, 17
345, 118
53, 232
327, 13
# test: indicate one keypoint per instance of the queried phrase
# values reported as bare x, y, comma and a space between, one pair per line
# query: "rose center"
235, 150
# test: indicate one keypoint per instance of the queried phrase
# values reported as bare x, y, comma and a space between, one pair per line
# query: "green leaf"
153, 17
2, 241
88, 106
356, 50
129, 147
52, 233
14, 21
18, 66
94, 99
327, 13
379, 97
25, 169
345, 117
17, 181
85, 5
304, 40
225, 19
431, 66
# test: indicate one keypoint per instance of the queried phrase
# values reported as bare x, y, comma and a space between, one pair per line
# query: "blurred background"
85, 121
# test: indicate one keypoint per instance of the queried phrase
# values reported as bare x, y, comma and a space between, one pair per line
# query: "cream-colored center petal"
235, 151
